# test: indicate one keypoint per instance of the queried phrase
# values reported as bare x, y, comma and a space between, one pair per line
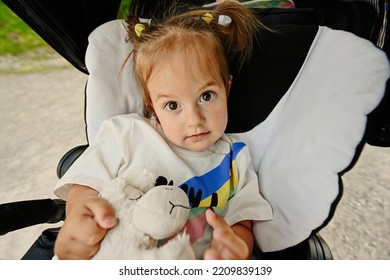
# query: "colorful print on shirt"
213, 189
217, 186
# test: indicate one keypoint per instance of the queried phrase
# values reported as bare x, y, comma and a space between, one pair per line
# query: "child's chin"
199, 148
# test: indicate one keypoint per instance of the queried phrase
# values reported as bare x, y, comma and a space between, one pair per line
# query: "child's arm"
88, 218
234, 242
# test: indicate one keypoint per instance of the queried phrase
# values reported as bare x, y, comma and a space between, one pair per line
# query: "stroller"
282, 75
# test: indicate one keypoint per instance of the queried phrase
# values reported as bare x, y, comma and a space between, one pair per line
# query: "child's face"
189, 103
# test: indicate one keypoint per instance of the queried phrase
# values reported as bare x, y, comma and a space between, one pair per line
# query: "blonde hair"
185, 31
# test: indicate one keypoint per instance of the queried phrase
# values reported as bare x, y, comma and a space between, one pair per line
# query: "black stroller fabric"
65, 25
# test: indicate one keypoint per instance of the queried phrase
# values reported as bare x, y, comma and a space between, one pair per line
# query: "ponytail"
240, 36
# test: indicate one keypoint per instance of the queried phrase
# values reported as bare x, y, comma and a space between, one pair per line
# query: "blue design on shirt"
216, 186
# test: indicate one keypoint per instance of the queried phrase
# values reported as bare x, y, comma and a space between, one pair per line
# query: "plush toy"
145, 215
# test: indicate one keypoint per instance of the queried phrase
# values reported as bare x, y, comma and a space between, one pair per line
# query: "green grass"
17, 37
124, 8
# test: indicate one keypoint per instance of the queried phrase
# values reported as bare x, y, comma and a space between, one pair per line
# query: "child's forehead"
193, 59
193, 53
192, 62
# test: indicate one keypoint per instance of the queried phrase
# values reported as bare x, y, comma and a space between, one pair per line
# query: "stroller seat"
306, 94
313, 121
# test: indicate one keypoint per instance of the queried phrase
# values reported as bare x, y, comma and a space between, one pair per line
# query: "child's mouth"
198, 135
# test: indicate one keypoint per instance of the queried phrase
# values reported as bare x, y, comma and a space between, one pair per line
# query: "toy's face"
161, 212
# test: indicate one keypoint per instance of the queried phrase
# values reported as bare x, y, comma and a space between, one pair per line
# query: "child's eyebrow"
211, 83
163, 95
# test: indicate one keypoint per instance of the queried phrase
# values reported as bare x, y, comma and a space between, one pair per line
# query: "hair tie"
139, 28
207, 17
145, 20
224, 20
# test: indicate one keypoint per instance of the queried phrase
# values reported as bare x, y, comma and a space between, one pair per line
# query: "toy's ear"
113, 191
140, 178
162, 212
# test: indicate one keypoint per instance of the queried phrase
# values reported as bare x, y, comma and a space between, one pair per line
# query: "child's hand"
226, 244
85, 226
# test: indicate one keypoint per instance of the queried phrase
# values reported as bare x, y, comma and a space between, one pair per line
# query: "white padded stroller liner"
111, 89
300, 149
313, 134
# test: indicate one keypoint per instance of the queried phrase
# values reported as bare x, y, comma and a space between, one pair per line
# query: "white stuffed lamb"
145, 215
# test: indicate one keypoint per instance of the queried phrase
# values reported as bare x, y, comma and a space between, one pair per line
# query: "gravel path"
41, 117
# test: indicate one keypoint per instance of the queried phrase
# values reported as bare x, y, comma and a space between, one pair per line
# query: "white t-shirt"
222, 177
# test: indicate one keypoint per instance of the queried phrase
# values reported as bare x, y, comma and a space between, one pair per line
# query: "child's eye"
207, 96
172, 106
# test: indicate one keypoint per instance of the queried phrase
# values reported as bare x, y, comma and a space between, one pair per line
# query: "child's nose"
194, 116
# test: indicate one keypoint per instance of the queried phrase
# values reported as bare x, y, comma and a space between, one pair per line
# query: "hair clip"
207, 17
224, 20
148, 21
139, 28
